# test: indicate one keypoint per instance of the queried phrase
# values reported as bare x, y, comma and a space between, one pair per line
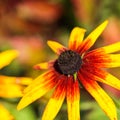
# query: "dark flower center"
68, 63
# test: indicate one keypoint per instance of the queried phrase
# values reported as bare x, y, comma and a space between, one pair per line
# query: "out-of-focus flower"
28, 17
5, 115
75, 65
10, 87
114, 28
7, 56
29, 46
43, 12
84, 10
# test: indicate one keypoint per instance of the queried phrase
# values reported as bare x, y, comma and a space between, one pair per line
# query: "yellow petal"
44, 65
6, 57
55, 102
56, 47
100, 96
4, 114
37, 88
110, 80
90, 40
10, 90
114, 61
73, 98
23, 80
12, 87
15, 80
111, 48
76, 38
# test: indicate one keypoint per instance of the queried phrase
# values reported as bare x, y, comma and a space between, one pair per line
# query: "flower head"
74, 65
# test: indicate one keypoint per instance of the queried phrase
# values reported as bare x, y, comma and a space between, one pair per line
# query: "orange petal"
7, 56
106, 49
110, 80
44, 65
104, 77
55, 102
56, 47
73, 98
90, 40
4, 114
102, 59
100, 96
110, 61
76, 38
40, 80
114, 61
94, 57
37, 88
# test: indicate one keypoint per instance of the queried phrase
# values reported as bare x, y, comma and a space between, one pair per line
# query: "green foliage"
25, 114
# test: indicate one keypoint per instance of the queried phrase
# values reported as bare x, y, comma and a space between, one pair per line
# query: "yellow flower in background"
4, 114
7, 57
76, 65
10, 87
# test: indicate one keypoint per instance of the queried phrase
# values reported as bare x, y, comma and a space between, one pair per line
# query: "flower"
75, 65
10, 86
6, 57
5, 115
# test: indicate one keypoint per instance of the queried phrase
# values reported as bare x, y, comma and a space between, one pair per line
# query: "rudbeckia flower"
10, 87
76, 65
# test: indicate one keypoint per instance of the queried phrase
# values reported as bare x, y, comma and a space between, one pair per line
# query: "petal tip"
78, 28
15, 52
19, 107
49, 42
36, 67
56, 47
105, 23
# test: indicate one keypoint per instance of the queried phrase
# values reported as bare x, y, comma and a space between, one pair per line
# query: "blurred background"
26, 25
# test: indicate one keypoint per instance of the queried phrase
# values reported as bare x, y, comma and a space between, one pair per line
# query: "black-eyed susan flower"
10, 87
74, 65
